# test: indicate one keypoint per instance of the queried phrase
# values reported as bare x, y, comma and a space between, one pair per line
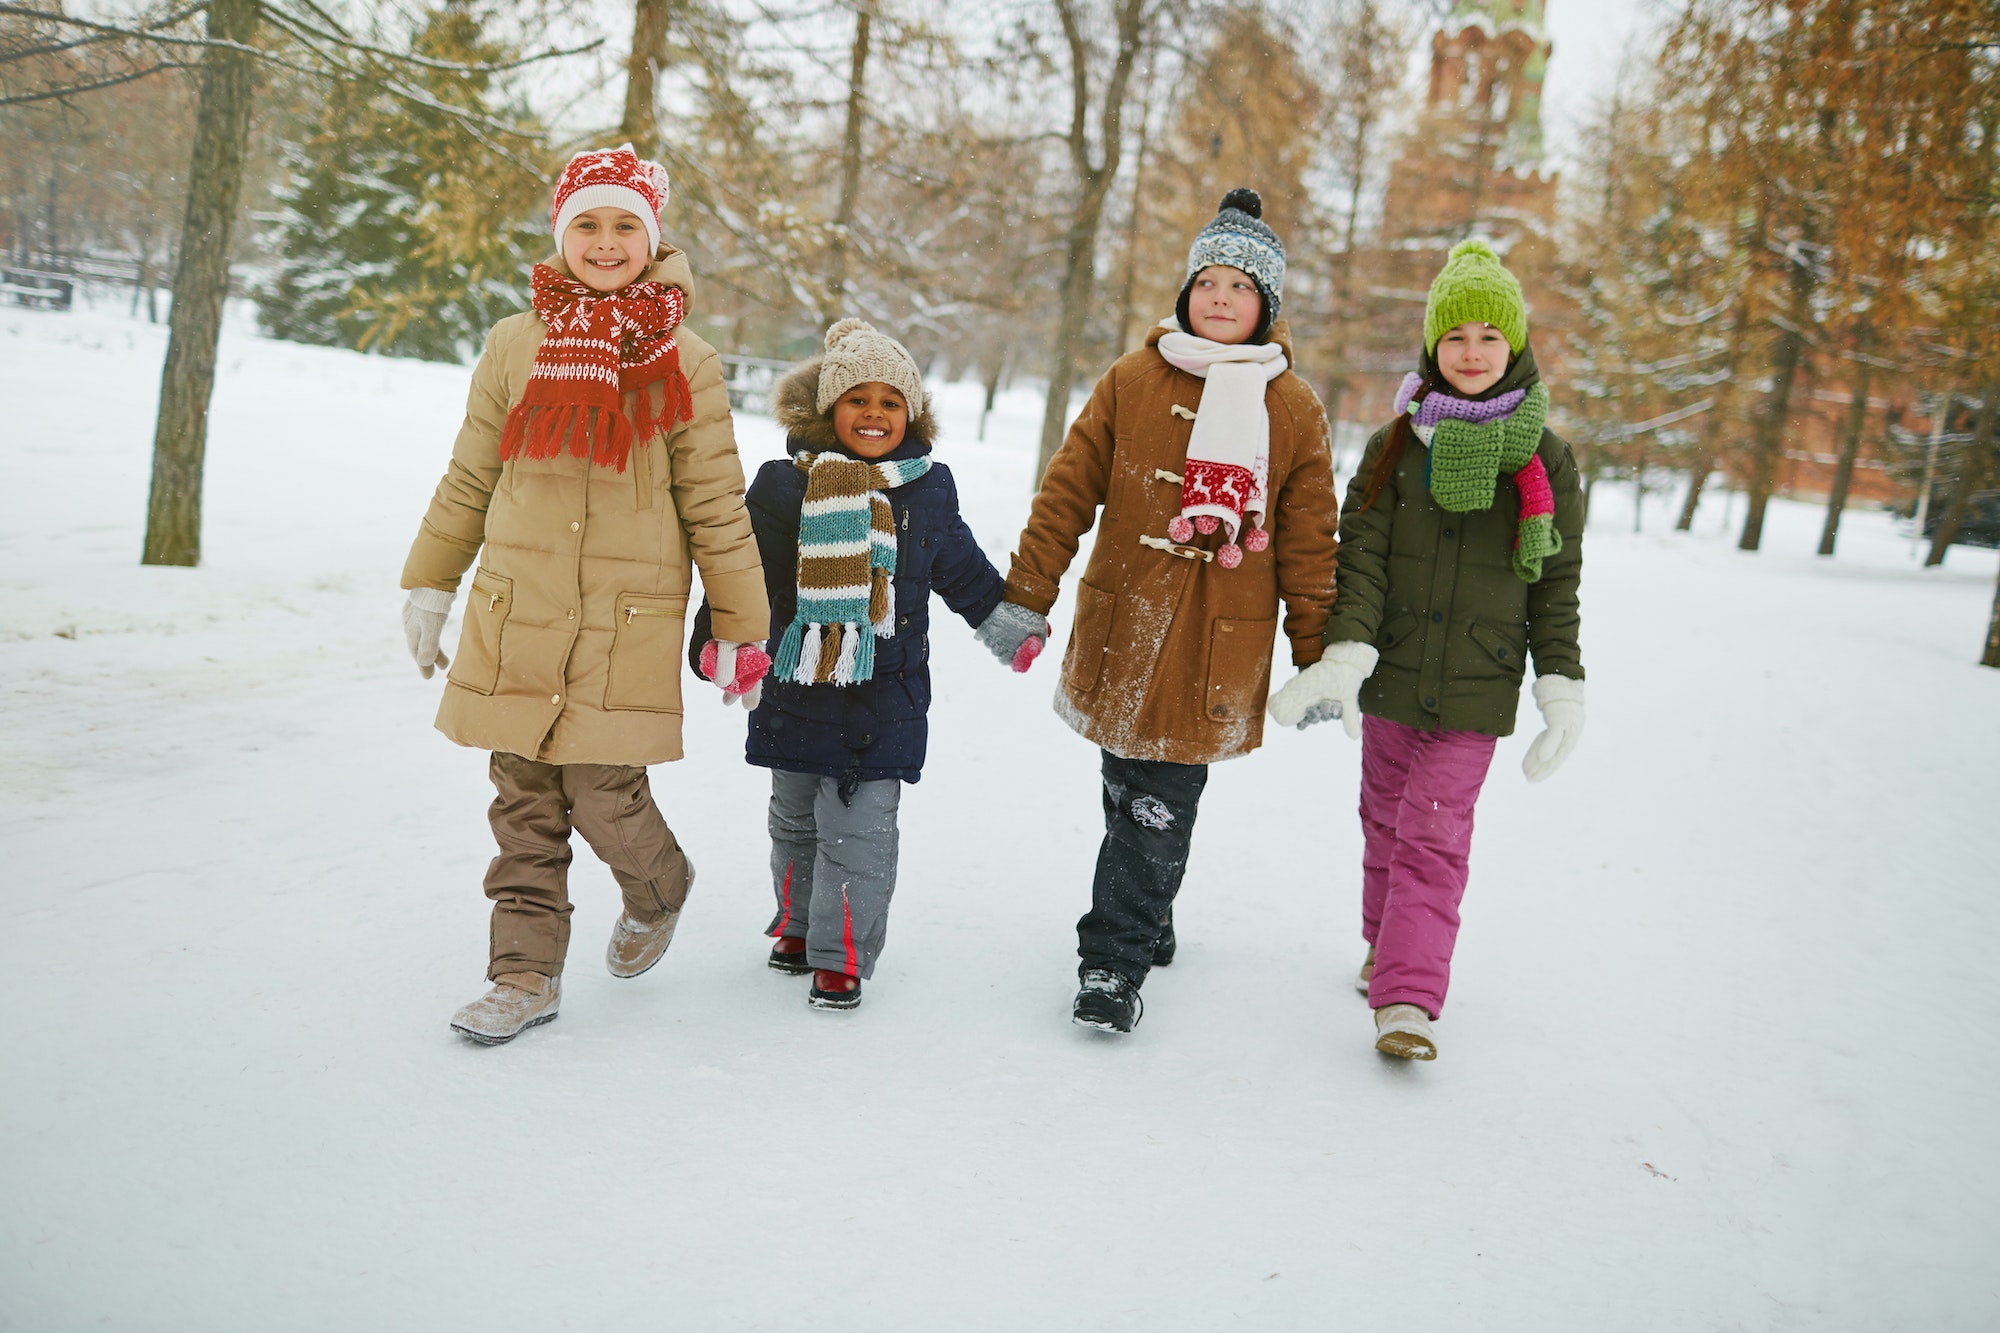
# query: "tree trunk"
1718, 421
1093, 184
1125, 307
850, 164
641, 122
1770, 443
1971, 477
1079, 286
993, 369
201, 282
1850, 450
1991, 657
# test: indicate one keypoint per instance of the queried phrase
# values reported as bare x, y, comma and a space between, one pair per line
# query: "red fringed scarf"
599, 348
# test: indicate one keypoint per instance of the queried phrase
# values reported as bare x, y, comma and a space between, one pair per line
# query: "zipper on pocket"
632, 611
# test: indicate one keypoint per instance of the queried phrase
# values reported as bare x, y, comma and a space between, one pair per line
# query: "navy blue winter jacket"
874, 728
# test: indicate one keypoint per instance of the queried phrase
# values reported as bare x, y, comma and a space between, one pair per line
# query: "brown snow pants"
611, 805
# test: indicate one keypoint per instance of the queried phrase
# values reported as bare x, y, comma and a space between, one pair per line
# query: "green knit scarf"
1467, 459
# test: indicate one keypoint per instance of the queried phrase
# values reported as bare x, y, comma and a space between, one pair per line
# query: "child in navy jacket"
856, 529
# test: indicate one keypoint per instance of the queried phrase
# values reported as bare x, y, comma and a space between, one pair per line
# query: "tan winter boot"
1404, 1031
1367, 972
518, 1000
637, 945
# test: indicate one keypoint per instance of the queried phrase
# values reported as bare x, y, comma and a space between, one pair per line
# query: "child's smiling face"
869, 419
606, 248
1473, 357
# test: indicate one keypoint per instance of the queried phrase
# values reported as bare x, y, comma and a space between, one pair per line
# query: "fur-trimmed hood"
795, 399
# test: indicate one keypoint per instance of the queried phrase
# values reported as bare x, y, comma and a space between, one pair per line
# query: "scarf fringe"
586, 416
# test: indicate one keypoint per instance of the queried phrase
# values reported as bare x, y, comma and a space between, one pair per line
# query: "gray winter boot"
518, 1000
1404, 1031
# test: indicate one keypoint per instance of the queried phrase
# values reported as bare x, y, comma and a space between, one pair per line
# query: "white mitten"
423, 624
1334, 679
1561, 702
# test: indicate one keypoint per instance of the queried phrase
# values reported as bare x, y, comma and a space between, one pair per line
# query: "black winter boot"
1108, 1001
1163, 947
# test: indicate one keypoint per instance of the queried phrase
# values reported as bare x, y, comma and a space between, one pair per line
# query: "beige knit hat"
856, 354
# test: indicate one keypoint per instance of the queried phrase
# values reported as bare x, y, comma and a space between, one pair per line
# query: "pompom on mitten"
1561, 702
739, 668
424, 615
1335, 679
1014, 634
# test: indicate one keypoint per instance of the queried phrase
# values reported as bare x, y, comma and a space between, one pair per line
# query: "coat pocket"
1088, 637
477, 666
1239, 668
1503, 652
1399, 632
644, 675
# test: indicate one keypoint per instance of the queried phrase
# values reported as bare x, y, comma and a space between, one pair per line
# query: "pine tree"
403, 230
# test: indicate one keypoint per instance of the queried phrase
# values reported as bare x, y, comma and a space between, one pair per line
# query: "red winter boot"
834, 990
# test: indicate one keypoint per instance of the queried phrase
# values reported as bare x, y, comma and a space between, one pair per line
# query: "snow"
1706, 1061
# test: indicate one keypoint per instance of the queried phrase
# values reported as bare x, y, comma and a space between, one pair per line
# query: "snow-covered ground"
1716, 1056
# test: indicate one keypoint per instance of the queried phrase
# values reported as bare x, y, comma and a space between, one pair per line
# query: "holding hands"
1014, 634
1329, 688
739, 668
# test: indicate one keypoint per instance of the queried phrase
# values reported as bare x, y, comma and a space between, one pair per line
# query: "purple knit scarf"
1437, 404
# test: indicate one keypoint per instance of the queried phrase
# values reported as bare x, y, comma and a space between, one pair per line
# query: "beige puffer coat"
571, 652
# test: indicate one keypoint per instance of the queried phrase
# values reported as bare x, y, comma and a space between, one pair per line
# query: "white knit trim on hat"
859, 353
607, 195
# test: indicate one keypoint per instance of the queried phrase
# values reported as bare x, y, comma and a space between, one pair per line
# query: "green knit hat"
1475, 287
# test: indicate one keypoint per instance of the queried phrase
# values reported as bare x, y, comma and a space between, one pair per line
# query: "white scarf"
1228, 470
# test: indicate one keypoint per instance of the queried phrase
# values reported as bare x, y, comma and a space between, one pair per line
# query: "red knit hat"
610, 177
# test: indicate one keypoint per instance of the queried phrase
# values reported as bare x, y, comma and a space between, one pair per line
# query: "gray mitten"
423, 625
1326, 710
1014, 634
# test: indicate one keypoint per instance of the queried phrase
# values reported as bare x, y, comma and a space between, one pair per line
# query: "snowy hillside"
1715, 1056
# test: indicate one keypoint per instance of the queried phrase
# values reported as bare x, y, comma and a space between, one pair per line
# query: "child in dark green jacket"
1460, 557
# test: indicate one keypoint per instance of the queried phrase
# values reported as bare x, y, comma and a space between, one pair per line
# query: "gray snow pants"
833, 867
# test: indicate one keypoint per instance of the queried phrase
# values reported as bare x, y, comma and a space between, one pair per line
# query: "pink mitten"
1025, 655
746, 664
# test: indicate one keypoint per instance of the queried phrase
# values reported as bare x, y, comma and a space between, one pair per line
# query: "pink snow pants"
1417, 793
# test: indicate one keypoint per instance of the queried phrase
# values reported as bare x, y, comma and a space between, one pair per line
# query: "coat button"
1447, 532
1437, 617
572, 613
1502, 654
923, 541
902, 622
555, 698
867, 740
574, 527
1218, 711
1430, 701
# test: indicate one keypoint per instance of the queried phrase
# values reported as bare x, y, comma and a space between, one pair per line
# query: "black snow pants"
1149, 810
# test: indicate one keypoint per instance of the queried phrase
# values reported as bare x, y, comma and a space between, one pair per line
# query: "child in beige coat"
596, 464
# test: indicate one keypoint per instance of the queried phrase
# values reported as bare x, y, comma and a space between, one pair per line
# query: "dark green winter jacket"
1437, 595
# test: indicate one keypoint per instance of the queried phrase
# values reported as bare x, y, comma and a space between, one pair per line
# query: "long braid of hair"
1385, 462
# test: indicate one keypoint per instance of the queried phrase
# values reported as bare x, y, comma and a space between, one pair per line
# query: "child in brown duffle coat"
596, 460
1212, 463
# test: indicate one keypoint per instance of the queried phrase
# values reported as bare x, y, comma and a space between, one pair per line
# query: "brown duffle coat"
1169, 657
571, 650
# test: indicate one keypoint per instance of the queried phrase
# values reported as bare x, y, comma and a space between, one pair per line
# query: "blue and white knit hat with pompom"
1240, 238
